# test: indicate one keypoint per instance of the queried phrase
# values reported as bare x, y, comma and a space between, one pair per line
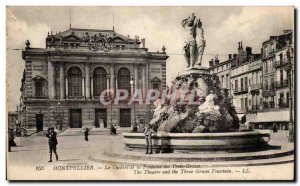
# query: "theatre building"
62, 83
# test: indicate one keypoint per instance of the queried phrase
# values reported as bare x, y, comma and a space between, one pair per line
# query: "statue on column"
195, 43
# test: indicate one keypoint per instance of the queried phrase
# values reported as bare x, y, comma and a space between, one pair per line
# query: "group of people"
52, 139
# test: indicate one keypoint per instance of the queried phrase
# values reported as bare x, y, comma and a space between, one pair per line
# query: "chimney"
211, 63
230, 56
234, 55
216, 60
241, 45
249, 50
249, 53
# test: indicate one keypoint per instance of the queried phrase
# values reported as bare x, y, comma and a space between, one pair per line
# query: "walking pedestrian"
52, 143
275, 129
149, 133
11, 137
86, 134
113, 130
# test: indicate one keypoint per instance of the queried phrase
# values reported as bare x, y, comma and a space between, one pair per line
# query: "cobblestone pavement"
34, 149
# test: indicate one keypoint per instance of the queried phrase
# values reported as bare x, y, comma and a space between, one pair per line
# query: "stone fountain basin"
200, 141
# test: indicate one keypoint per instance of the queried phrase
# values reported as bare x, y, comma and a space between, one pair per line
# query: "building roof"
80, 33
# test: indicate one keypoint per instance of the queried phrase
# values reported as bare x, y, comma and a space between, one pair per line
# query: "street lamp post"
288, 69
59, 116
133, 106
48, 101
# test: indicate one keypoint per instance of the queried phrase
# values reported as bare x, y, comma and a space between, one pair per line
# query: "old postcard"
150, 93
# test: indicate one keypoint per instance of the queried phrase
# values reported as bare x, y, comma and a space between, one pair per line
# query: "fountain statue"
212, 108
196, 113
195, 44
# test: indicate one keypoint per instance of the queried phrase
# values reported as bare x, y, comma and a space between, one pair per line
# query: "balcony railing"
255, 107
283, 105
269, 55
255, 67
269, 104
281, 63
256, 86
241, 90
280, 84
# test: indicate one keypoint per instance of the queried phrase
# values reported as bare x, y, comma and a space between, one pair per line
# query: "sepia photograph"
160, 93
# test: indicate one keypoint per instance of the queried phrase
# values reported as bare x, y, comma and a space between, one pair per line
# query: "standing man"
52, 143
87, 133
149, 132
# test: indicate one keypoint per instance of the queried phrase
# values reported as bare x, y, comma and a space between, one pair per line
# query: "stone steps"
105, 131
204, 157
202, 164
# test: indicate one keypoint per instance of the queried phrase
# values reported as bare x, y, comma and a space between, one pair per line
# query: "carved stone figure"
209, 105
195, 43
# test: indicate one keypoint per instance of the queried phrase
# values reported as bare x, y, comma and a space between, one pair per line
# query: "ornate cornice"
139, 53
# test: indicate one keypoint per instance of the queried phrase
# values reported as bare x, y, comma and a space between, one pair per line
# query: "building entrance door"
100, 118
125, 118
39, 122
75, 118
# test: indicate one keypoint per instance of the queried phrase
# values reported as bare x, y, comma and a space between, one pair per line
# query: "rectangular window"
223, 84
246, 83
246, 103
242, 103
39, 89
242, 84
280, 59
227, 80
281, 76
156, 86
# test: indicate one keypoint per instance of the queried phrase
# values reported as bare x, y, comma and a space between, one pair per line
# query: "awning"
272, 116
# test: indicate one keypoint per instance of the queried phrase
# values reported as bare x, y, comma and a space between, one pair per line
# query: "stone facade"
259, 84
62, 82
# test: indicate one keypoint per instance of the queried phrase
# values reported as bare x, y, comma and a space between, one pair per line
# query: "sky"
223, 28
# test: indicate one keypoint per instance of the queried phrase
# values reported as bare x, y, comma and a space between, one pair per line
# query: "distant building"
62, 83
12, 118
259, 84
275, 90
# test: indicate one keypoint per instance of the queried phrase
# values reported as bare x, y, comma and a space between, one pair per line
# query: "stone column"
107, 82
62, 81
112, 78
136, 78
87, 82
67, 90
144, 81
116, 86
146, 78
83, 87
51, 80
92, 86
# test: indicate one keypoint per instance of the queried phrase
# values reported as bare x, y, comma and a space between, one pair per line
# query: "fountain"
196, 113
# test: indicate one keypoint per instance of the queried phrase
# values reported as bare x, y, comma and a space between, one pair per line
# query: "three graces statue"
195, 44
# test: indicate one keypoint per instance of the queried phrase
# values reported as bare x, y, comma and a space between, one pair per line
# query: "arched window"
124, 79
99, 81
75, 82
